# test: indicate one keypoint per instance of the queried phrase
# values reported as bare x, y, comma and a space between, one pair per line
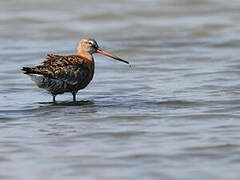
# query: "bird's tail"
29, 70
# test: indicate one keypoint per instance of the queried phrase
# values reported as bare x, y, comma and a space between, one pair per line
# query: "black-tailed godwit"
60, 74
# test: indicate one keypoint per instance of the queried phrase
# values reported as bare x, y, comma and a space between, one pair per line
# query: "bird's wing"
70, 69
53, 59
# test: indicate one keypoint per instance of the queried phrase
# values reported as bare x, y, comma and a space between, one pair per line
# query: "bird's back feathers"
56, 72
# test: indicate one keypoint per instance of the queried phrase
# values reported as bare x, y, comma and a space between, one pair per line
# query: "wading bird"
60, 74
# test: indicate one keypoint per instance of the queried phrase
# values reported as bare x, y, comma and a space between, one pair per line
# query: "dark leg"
74, 96
54, 97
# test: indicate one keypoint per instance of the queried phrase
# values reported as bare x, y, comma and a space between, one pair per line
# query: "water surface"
174, 114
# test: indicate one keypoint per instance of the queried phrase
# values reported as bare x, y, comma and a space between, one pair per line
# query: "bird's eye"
90, 42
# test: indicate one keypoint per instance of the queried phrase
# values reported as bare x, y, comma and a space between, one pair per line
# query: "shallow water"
173, 114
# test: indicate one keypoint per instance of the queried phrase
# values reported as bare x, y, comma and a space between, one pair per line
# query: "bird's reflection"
68, 103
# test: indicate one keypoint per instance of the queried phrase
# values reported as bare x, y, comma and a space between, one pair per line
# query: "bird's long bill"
109, 55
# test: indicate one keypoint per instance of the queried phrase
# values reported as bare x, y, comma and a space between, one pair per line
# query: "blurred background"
174, 114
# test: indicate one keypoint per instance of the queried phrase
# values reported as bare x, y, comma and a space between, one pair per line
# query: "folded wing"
70, 69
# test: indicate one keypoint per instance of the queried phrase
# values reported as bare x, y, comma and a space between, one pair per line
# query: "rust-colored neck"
85, 55
89, 63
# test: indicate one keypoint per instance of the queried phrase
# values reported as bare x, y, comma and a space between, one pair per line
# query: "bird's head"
90, 45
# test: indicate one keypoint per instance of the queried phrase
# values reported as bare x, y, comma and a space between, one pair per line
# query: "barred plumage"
60, 74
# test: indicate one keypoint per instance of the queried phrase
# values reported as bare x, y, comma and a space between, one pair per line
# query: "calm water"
174, 114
